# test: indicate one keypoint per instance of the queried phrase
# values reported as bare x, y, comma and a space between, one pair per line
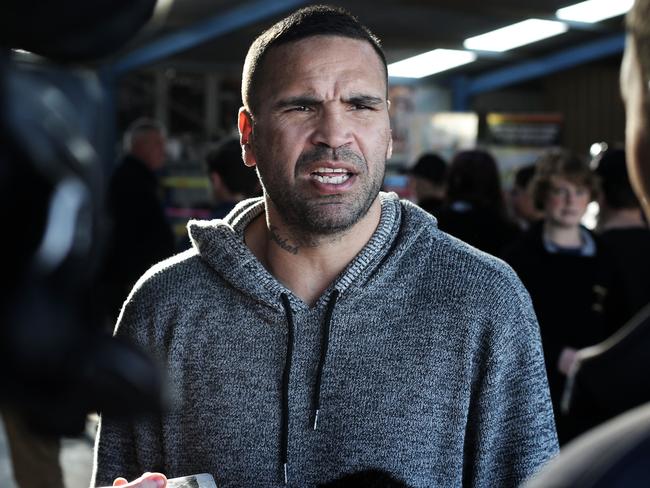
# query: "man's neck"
307, 265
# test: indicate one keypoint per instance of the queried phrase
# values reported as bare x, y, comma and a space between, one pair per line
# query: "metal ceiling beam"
218, 25
465, 88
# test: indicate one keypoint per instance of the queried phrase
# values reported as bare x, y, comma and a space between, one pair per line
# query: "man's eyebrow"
365, 100
297, 101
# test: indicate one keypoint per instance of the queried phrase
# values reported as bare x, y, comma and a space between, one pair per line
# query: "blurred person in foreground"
558, 261
475, 210
231, 180
140, 234
328, 328
625, 236
428, 180
613, 376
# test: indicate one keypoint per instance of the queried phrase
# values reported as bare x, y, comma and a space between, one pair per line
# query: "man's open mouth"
331, 176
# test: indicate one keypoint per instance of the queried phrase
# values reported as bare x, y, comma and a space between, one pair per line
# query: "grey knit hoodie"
422, 358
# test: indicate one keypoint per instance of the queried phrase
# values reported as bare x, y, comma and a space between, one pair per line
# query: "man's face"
150, 147
566, 203
320, 135
637, 127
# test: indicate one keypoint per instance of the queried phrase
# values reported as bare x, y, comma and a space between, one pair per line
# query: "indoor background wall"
589, 97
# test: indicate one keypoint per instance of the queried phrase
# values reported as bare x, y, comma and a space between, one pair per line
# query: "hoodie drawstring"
325, 338
284, 440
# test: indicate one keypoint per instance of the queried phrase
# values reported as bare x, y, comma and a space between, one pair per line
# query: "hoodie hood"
220, 243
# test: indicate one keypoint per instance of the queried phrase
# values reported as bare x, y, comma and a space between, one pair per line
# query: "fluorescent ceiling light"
594, 10
430, 63
516, 35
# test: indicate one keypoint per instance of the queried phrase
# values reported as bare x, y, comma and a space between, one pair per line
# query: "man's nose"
332, 129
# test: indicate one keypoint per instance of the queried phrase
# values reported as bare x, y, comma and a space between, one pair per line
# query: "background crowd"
585, 283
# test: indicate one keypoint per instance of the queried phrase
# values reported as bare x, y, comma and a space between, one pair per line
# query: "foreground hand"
147, 480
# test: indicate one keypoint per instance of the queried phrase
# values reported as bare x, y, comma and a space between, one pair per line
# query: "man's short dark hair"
226, 160
316, 20
614, 181
431, 167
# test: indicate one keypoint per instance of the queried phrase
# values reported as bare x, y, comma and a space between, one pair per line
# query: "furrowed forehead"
304, 23
251, 86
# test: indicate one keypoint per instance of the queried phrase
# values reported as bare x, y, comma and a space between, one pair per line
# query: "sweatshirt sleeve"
511, 430
114, 453
119, 451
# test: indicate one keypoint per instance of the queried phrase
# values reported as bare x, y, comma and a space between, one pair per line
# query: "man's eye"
300, 108
359, 106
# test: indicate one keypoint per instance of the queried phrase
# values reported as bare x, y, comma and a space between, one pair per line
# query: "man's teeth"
332, 180
338, 175
330, 170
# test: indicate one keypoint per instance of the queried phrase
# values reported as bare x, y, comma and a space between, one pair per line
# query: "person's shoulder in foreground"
612, 455
615, 454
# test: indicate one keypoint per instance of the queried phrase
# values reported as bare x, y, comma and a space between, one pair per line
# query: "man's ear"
245, 124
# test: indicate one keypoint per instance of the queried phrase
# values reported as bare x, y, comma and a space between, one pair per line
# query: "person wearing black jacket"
558, 261
475, 210
625, 234
141, 234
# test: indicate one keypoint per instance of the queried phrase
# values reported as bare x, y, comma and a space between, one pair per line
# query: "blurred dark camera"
57, 361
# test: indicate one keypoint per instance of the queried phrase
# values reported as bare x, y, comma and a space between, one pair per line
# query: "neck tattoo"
283, 243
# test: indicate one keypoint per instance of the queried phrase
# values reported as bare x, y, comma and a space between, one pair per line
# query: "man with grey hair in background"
328, 329
140, 234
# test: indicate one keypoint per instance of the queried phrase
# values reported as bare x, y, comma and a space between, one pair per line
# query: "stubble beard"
311, 218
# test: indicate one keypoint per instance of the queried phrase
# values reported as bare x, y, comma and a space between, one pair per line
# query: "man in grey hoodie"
328, 328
